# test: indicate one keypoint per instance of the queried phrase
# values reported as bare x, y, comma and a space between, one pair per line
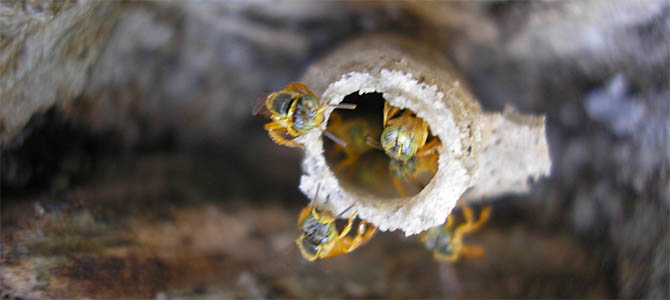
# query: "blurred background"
132, 166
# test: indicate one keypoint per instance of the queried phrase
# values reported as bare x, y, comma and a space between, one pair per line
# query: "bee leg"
369, 232
424, 131
469, 226
389, 112
483, 216
429, 148
346, 229
473, 252
274, 130
273, 126
341, 240
347, 244
279, 139
346, 162
292, 132
449, 222
467, 213
373, 143
340, 247
439, 256
399, 187
407, 114
362, 236
464, 228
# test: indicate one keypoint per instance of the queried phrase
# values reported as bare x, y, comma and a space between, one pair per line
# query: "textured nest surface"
443, 101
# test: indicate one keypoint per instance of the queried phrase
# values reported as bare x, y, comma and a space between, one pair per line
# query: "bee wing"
284, 134
258, 108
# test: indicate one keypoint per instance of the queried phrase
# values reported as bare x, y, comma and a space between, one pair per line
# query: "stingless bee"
320, 238
354, 133
372, 170
405, 136
294, 110
446, 242
417, 170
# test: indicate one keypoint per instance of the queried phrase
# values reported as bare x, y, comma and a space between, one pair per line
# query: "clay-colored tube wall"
411, 76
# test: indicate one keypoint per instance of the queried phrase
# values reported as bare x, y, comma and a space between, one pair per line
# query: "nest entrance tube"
412, 77
359, 165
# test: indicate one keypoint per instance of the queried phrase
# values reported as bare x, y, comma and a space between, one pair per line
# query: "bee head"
398, 143
439, 240
307, 113
279, 103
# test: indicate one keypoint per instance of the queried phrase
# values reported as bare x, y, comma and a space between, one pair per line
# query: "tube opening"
357, 159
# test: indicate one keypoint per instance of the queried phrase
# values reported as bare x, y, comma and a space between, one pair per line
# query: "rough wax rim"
428, 208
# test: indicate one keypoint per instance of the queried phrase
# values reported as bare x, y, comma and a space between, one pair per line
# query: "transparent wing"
258, 108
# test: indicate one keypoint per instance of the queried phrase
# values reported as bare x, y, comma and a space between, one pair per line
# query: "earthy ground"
162, 226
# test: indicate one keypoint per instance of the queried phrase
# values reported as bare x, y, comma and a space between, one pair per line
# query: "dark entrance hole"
361, 167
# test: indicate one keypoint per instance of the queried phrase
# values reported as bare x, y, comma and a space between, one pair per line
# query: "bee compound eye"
281, 103
407, 148
389, 140
309, 246
390, 135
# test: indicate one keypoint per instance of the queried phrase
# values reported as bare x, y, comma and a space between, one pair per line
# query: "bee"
405, 136
446, 242
372, 172
320, 238
294, 110
417, 170
354, 133
369, 173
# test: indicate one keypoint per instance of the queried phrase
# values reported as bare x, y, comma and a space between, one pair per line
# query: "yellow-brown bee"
417, 170
354, 134
405, 136
294, 110
372, 172
320, 238
446, 242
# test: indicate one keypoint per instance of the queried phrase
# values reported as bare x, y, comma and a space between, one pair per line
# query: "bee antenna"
335, 138
344, 106
372, 143
344, 211
314, 201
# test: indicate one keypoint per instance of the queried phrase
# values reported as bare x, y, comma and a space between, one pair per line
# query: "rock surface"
46, 54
